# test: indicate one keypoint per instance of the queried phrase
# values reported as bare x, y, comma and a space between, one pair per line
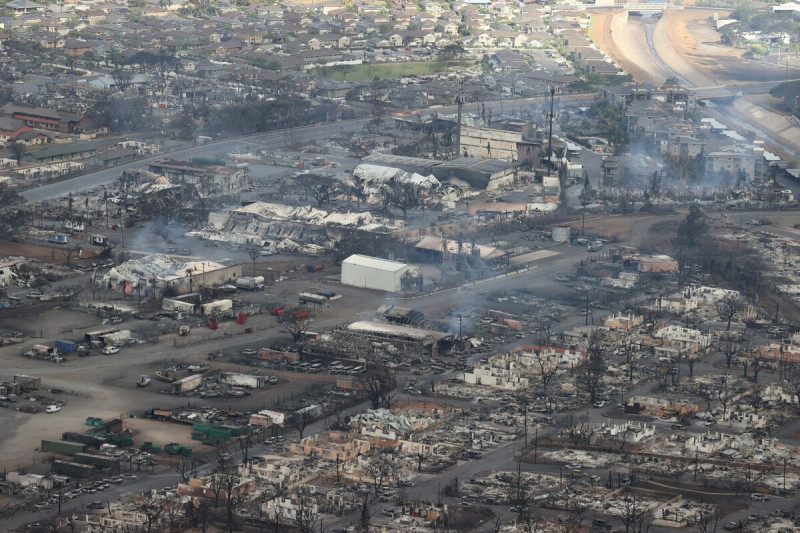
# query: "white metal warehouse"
373, 273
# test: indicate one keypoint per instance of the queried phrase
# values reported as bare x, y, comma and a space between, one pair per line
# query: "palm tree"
254, 252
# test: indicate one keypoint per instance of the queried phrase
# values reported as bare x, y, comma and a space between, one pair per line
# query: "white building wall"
370, 277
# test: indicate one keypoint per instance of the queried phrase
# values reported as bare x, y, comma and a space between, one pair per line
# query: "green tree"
451, 52
404, 196
693, 227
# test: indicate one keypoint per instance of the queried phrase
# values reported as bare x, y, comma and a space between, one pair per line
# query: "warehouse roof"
375, 262
162, 267
478, 164
396, 330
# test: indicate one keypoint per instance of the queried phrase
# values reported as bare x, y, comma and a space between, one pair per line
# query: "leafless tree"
793, 381
756, 363
532, 521
755, 398
300, 420
378, 386
174, 511
203, 515
635, 516
729, 307
365, 513
296, 327
152, 510
186, 467
227, 486
306, 518
69, 251
544, 331
578, 513
595, 343
122, 79
589, 376
497, 526
724, 391
708, 392
708, 523
546, 371
245, 443
381, 469
577, 428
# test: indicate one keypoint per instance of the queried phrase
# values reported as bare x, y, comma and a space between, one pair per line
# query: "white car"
52, 409
110, 350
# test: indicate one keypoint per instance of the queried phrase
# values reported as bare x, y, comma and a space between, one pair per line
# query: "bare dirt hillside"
623, 38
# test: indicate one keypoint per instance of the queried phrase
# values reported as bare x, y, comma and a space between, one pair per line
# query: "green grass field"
370, 71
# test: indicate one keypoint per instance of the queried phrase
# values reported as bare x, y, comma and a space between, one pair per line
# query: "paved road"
271, 140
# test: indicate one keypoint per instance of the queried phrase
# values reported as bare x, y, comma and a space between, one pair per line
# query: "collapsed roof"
374, 176
160, 267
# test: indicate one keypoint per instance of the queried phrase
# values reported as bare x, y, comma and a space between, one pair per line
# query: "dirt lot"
697, 43
47, 254
686, 41
631, 229
623, 39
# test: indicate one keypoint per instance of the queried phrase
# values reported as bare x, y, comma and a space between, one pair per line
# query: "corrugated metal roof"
396, 330
375, 262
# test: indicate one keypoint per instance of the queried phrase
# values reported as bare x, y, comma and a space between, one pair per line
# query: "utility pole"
526, 424
550, 136
460, 101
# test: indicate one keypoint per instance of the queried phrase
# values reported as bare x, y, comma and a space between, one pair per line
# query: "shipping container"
62, 446
113, 426
242, 380
306, 297
76, 470
159, 414
277, 417
260, 420
189, 383
99, 334
250, 284
326, 293
66, 346
89, 440
27, 383
102, 461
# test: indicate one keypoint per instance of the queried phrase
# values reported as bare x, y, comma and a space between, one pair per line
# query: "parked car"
110, 350
34, 295
52, 409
